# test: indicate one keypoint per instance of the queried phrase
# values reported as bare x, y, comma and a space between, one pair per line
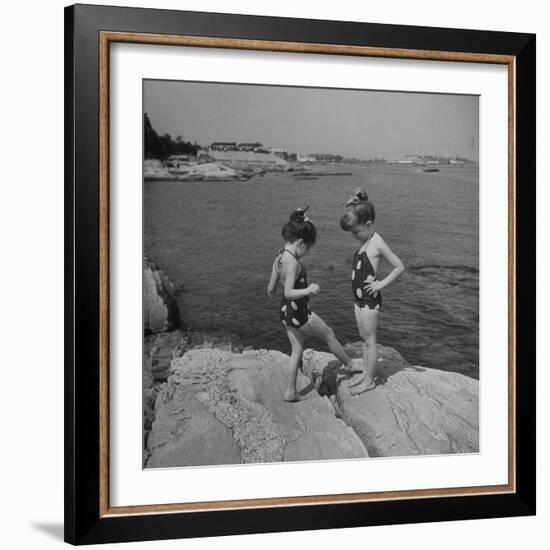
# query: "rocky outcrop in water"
160, 308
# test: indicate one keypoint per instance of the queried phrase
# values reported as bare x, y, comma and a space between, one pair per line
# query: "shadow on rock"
411, 411
390, 362
333, 373
331, 376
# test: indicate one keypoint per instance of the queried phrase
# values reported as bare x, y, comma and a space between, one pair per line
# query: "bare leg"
367, 322
359, 320
318, 328
297, 342
365, 366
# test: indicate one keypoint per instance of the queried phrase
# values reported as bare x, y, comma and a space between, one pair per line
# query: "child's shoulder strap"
280, 258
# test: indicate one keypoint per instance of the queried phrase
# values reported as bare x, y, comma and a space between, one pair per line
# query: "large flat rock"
159, 350
221, 407
309, 428
186, 431
412, 411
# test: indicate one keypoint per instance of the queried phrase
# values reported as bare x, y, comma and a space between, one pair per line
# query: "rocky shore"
412, 411
160, 308
220, 404
200, 171
209, 401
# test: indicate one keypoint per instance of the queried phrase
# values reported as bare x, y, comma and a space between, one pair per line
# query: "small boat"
431, 169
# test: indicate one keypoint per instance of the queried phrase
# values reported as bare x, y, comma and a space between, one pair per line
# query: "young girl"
295, 314
359, 220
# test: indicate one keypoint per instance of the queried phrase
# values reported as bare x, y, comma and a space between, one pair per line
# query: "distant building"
326, 157
427, 160
281, 153
223, 146
409, 159
254, 146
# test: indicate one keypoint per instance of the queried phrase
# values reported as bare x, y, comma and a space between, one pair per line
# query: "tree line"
161, 147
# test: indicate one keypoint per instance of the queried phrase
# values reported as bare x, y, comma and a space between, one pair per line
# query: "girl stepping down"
295, 314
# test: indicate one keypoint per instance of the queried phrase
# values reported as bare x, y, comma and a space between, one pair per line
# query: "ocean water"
216, 242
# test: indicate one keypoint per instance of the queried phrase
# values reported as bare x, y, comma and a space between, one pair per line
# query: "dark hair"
358, 210
299, 227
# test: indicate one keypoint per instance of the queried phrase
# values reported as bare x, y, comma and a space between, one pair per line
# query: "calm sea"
216, 241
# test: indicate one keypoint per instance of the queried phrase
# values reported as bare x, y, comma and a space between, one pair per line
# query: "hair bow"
357, 198
303, 211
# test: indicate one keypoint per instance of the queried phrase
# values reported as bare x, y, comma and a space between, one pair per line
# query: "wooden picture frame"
89, 33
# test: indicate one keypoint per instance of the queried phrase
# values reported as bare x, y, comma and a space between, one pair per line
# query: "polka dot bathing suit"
295, 313
361, 275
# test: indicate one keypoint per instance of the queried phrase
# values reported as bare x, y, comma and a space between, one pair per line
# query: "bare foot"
357, 381
363, 387
293, 397
355, 367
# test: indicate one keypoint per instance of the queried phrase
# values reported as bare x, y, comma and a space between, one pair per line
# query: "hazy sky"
352, 123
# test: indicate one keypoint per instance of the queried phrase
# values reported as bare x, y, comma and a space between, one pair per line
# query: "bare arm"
393, 259
398, 268
291, 293
273, 280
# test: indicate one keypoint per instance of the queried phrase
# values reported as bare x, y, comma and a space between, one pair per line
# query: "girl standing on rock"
295, 314
359, 221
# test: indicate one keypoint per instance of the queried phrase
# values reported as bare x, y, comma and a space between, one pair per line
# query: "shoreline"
244, 343
265, 333
208, 399
227, 169
237, 391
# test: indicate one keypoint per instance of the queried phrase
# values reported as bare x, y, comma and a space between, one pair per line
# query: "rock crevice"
160, 308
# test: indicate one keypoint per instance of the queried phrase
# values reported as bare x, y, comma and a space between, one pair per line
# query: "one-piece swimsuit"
362, 274
295, 313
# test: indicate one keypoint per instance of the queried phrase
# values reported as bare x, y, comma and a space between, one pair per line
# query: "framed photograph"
300, 278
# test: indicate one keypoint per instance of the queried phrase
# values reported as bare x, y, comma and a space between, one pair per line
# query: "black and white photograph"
282, 268
311, 274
